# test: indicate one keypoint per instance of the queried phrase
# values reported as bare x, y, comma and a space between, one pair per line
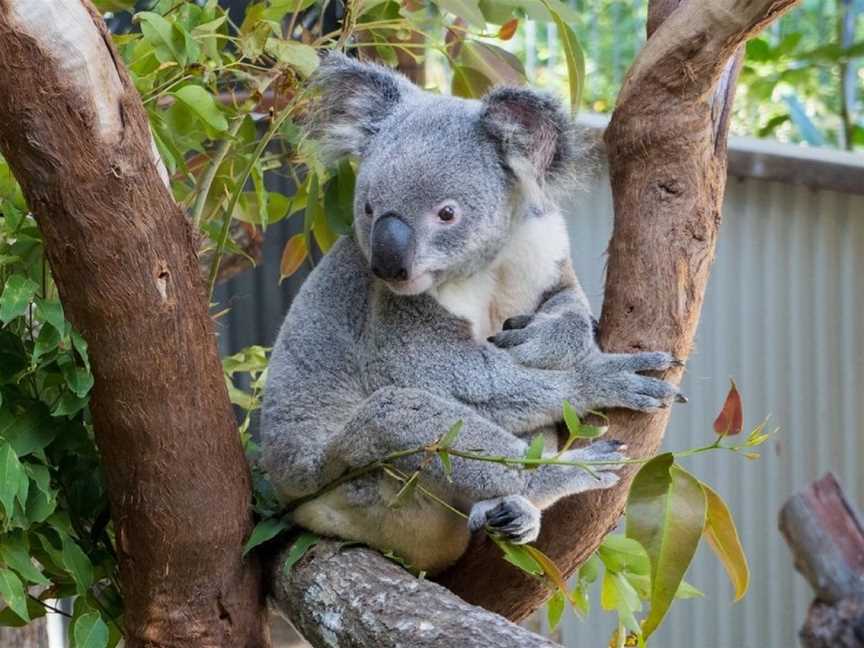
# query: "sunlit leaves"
202, 103
17, 294
666, 511
723, 539
293, 54
467, 9
573, 54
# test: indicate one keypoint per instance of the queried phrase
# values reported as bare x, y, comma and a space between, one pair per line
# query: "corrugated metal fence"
783, 316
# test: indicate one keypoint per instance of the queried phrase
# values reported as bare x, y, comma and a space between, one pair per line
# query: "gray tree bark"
356, 598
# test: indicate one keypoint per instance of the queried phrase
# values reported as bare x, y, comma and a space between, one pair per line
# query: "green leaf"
575, 428
51, 311
535, 450
469, 83
12, 592
90, 631
446, 464
114, 5
16, 297
78, 379
265, 531
450, 437
168, 43
13, 358
47, 341
299, 56
467, 9
41, 500
28, 431
620, 553
202, 103
406, 492
302, 544
518, 555
9, 619
591, 569
77, 563
12, 478
555, 610
15, 554
723, 539
495, 63
687, 591
573, 55
666, 511
339, 199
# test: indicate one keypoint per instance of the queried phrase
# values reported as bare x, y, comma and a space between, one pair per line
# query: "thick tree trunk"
666, 146
76, 136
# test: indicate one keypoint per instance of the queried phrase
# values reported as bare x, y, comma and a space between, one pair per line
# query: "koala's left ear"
533, 128
352, 101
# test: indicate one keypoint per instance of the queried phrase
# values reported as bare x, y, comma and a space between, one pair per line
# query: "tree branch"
667, 158
356, 598
76, 136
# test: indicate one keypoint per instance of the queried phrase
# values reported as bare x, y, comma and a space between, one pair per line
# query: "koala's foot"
512, 517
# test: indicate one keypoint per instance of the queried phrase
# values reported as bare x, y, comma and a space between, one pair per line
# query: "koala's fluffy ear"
352, 100
534, 132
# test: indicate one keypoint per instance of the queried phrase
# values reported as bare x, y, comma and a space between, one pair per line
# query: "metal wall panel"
783, 316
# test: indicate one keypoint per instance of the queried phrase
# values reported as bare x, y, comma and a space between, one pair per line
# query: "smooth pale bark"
76, 135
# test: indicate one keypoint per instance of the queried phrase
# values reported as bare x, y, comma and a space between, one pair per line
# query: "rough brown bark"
666, 146
356, 598
76, 136
838, 625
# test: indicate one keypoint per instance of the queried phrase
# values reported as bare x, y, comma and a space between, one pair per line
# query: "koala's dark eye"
447, 213
368, 209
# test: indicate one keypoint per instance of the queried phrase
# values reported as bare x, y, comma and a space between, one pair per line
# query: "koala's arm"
562, 334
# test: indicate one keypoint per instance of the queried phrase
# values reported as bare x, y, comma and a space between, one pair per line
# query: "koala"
452, 300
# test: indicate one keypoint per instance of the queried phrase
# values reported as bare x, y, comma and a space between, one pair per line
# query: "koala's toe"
509, 339
513, 518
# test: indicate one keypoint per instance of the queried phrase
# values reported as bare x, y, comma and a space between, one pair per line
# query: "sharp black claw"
678, 362
680, 398
491, 339
664, 405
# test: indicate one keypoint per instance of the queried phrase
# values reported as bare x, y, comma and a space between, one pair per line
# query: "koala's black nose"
392, 248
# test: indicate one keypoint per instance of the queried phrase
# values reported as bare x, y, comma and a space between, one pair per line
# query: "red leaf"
508, 29
730, 420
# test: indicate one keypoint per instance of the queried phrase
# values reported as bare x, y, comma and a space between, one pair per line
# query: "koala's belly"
421, 531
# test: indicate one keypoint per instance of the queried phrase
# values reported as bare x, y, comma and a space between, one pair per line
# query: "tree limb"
666, 146
76, 136
356, 598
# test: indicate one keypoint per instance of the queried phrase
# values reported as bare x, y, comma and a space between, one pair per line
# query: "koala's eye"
447, 213
368, 209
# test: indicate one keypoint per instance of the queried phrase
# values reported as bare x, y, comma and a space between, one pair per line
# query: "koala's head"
441, 180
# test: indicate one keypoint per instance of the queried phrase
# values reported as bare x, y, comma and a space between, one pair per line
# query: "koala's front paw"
512, 517
547, 341
610, 380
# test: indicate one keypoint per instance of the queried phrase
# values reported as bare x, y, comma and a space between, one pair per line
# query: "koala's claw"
517, 322
512, 517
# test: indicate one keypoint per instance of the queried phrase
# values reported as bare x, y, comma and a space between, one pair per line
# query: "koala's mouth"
413, 286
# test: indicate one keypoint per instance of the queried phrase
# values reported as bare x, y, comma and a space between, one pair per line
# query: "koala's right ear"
353, 99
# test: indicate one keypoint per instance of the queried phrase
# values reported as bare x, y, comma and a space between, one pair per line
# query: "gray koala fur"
455, 207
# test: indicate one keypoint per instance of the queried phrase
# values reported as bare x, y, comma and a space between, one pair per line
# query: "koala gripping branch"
74, 131
666, 147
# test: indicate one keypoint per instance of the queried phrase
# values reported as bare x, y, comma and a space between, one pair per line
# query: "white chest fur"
512, 285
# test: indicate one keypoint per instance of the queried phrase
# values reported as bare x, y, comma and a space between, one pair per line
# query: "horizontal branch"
354, 597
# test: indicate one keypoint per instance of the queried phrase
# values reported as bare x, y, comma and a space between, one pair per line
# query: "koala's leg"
506, 498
